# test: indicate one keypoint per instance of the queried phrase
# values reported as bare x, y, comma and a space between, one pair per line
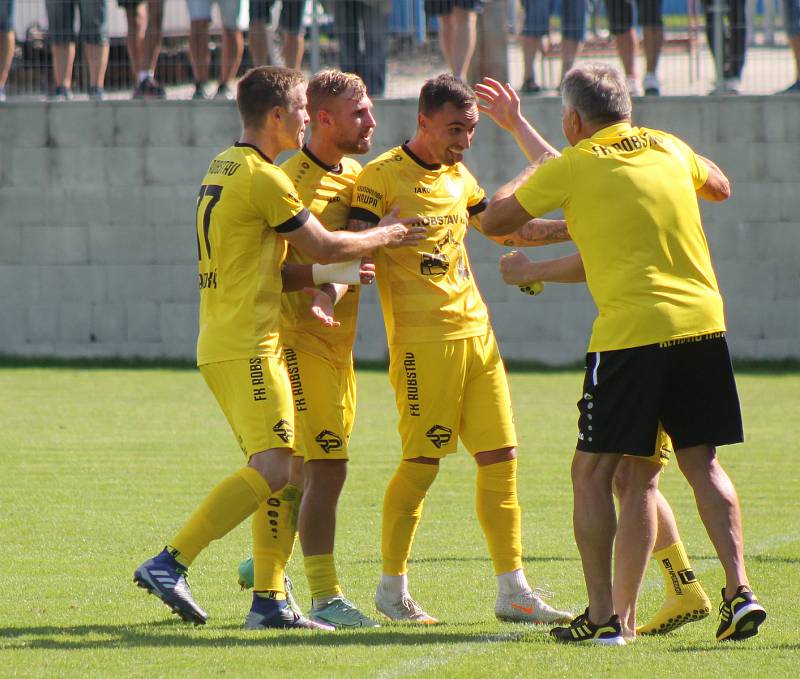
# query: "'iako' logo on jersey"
284, 430
439, 435
328, 441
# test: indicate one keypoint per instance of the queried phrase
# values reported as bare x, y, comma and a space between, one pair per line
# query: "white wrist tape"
347, 273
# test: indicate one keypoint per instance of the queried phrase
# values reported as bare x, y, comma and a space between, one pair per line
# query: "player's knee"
488, 457
328, 473
273, 465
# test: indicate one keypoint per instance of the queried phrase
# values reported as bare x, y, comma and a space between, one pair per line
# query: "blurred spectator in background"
144, 44
623, 28
791, 20
93, 35
234, 15
7, 43
362, 28
734, 42
537, 26
292, 32
457, 31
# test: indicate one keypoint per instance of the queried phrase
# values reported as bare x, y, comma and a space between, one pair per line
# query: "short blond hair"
261, 89
331, 83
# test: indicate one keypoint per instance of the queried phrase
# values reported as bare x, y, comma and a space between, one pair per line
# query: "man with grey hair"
657, 355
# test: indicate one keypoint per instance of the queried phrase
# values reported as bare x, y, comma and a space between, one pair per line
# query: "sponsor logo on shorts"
439, 435
257, 380
689, 340
293, 370
412, 386
328, 441
284, 430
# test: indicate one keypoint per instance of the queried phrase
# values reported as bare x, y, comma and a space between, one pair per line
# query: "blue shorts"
573, 18
6, 16
791, 16
94, 21
233, 12
291, 20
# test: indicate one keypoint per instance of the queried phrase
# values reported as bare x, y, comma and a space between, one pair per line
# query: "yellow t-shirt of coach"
630, 202
244, 204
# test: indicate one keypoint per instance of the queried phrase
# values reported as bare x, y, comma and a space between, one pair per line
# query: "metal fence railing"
394, 44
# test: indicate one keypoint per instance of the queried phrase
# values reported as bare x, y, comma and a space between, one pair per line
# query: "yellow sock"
228, 504
499, 514
274, 531
677, 572
322, 579
402, 510
685, 601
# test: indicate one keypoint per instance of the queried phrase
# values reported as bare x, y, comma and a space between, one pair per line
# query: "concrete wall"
97, 245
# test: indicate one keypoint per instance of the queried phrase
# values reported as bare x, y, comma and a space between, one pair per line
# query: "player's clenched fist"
516, 268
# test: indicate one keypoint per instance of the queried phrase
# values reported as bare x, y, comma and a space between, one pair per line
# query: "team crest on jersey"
284, 430
328, 441
434, 264
439, 435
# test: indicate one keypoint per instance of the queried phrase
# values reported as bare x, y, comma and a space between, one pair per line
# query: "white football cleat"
527, 606
405, 609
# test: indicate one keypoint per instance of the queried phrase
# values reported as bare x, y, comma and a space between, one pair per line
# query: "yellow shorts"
450, 389
324, 405
662, 451
256, 398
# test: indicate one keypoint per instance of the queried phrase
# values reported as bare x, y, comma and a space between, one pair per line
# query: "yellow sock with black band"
499, 514
685, 601
274, 531
228, 504
322, 578
402, 510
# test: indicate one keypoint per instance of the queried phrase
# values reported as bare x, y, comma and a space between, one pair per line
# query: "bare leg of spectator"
794, 41
569, 51
293, 48
97, 60
63, 58
152, 38
653, 41
232, 49
457, 35
627, 42
259, 41
199, 55
135, 40
531, 46
6, 57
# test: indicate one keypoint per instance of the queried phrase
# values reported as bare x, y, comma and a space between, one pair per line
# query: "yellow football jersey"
327, 192
244, 203
629, 198
427, 290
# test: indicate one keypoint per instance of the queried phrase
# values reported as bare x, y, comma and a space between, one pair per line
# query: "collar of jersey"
336, 169
242, 145
614, 130
417, 159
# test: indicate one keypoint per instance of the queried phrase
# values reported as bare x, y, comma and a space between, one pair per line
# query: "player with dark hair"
247, 211
658, 354
446, 370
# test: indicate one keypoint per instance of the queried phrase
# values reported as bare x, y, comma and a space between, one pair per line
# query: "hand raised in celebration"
499, 102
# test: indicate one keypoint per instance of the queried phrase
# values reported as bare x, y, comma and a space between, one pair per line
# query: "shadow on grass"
477, 559
163, 634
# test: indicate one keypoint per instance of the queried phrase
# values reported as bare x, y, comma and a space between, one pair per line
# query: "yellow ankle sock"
228, 504
499, 514
322, 579
402, 510
677, 572
274, 531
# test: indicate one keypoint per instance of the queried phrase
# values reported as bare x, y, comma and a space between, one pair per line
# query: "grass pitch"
101, 466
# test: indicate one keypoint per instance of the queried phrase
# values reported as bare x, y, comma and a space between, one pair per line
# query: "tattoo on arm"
539, 232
